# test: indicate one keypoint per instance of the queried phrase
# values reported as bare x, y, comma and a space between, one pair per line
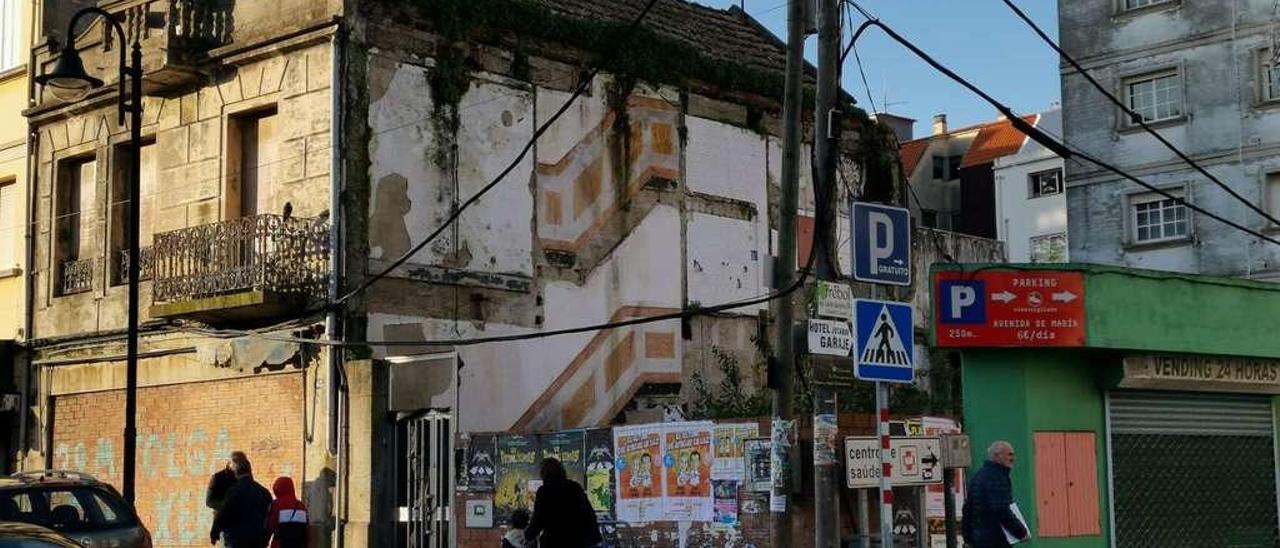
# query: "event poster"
729, 463
726, 502
639, 472
687, 459
480, 467
599, 485
756, 457
517, 466
935, 510
567, 448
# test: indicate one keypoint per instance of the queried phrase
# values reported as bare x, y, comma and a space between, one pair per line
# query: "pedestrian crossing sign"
884, 349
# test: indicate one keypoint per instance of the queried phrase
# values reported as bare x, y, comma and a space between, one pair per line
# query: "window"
1135, 4
1272, 191
120, 209
1155, 97
1268, 75
1050, 248
1157, 218
1046, 183
12, 54
939, 167
253, 162
953, 167
11, 229
74, 202
1067, 484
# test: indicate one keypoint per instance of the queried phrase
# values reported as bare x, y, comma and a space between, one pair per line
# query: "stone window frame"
1034, 240
232, 114
1123, 8
1142, 195
1032, 187
117, 154
1272, 207
1124, 124
1258, 68
76, 155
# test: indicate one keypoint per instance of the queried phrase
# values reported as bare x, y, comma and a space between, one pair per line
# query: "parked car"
25, 535
74, 505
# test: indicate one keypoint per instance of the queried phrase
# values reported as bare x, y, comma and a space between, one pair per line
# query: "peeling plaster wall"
1215, 47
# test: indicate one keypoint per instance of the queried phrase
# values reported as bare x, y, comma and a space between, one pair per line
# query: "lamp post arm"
134, 72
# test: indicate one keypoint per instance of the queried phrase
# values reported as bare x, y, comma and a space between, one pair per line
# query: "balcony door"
256, 143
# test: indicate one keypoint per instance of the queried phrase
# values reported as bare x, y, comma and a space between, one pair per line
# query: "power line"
1061, 149
457, 212
1135, 117
870, 97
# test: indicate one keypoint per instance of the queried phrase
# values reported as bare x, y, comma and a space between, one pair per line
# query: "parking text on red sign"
1026, 308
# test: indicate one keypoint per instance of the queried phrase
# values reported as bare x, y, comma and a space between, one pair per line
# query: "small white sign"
834, 300
480, 514
830, 337
915, 461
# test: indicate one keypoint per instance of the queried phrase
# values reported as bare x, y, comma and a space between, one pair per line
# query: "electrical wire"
1134, 117
870, 97
457, 212
1060, 148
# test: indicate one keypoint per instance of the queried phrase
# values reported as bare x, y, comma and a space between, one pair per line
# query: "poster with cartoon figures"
480, 467
639, 472
518, 459
567, 448
729, 464
599, 486
687, 455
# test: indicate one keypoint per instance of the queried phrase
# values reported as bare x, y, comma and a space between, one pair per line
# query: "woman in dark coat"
562, 515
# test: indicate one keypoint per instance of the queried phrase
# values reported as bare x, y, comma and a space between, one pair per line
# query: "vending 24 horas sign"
1003, 308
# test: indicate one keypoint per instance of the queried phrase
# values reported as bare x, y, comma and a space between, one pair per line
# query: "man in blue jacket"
987, 515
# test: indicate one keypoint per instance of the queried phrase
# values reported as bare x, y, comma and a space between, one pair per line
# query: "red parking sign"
1025, 308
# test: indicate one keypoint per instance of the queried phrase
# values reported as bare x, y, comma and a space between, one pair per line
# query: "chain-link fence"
1194, 491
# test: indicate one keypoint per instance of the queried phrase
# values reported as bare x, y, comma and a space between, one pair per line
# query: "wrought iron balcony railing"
144, 266
77, 276
268, 253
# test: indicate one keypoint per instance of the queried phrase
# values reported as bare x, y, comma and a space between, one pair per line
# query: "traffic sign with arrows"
1009, 308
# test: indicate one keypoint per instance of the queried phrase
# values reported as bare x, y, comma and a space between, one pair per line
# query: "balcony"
176, 36
250, 268
144, 268
77, 276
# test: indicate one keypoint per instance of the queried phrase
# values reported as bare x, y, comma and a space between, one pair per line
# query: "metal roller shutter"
1192, 470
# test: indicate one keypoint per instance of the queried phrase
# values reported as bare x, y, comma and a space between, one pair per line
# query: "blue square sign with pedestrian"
884, 349
881, 244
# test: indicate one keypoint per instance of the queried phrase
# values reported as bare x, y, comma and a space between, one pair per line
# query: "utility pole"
826, 131
783, 458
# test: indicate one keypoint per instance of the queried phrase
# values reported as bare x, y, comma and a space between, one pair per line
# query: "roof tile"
995, 140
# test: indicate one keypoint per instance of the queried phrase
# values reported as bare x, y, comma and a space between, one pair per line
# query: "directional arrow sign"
1003, 297
1009, 308
1064, 297
914, 459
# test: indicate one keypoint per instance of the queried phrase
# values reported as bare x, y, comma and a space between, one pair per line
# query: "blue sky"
982, 40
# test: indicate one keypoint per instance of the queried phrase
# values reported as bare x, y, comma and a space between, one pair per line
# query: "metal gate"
425, 473
1192, 470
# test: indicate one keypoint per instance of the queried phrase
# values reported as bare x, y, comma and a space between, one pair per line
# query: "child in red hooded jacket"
287, 519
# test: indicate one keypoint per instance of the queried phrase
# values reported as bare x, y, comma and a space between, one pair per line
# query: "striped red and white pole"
886, 467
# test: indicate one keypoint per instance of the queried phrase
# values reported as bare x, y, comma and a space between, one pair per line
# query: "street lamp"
69, 82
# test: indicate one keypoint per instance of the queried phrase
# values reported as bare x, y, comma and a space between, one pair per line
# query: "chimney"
939, 124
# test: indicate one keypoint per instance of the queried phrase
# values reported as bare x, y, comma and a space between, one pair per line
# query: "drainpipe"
333, 320
28, 315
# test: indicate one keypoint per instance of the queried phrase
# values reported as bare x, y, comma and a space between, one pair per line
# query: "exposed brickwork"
185, 434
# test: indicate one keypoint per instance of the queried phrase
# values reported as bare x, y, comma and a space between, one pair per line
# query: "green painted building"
1143, 411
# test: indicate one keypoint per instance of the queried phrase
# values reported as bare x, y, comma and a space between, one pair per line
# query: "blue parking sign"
881, 244
884, 348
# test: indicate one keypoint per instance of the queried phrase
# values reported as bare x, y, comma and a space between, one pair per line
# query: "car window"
65, 508
17, 506
27, 543
108, 509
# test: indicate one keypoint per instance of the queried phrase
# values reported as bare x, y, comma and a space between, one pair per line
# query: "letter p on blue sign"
881, 244
962, 301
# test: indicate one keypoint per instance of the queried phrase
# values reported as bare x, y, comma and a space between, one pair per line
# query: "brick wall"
185, 434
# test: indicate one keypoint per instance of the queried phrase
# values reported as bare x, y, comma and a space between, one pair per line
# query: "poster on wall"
935, 509
599, 485
756, 456
517, 467
728, 443
687, 466
567, 448
480, 467
726, 502
639, 472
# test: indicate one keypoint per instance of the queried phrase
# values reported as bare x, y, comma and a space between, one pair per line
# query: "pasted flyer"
638, 468
599, 486
686, 451
728, 444
517, 465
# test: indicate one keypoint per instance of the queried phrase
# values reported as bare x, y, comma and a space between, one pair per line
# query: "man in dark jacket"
562, 515
241, 522
987, 513
221, 481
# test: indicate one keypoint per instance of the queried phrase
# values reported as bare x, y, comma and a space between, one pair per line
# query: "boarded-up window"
1067, 484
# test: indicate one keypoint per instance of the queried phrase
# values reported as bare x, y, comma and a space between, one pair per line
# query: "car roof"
14, 529
49, 478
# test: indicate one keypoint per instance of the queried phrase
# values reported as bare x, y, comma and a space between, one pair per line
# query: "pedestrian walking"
287, 517
562, 515
989, 518
515, 534
241, 521
221, 481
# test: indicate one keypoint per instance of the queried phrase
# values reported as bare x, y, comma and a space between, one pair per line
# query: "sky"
981, 40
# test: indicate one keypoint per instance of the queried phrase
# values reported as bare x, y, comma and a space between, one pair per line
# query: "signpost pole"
886, 467
949, 504
864, 515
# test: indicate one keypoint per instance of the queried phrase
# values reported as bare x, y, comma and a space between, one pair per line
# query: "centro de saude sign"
915, 460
